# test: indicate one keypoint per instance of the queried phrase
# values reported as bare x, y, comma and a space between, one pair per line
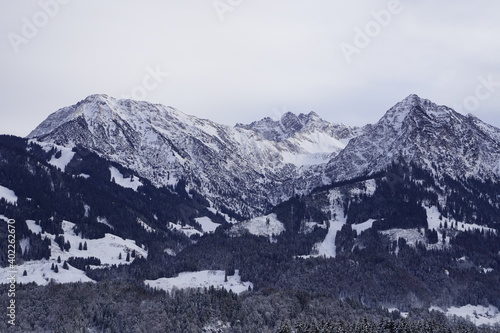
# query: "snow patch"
35, 228
478, 314
201, 279
8, 195
62, 161
327, 247
206, 224
185, 229
267, 226
434, 222
129, 182
360, 227
104, 221
40, 272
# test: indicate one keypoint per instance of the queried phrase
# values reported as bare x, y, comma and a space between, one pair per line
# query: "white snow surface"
65, 151
128, 182
207, 225
63, 160
40, 272
201, 279
267, 226
478, 314
107, 249
185, 229
8, 195
434, 222
35, 228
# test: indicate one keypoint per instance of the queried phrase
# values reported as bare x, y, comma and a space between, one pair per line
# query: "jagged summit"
101, 108
298, 152
291, 124
419, 131
414, 109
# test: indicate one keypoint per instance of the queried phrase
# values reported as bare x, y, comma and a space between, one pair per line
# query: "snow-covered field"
111, 250
206, 224
201, 279
40, 272
478, 314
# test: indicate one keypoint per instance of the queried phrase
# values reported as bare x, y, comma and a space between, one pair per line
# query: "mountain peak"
95, 97
417, 108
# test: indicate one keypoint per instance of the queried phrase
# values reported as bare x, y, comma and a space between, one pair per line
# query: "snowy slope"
478, 314
8, 195
107, 249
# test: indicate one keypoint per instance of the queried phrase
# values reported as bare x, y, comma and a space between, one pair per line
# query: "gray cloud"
264, 57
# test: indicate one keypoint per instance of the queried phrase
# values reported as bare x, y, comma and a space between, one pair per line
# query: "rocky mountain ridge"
248, 168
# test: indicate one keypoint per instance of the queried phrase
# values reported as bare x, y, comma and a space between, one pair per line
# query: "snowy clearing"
108, 249
434, 222
207, 225
40, 272
266, 226
8, 195
478, 314
63, 160
185, 229
201, 279
129, 182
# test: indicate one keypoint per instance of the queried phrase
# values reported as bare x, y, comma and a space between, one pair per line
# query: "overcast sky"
241, 60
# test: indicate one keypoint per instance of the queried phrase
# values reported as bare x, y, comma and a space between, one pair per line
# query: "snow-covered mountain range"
247, 168
401, 214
